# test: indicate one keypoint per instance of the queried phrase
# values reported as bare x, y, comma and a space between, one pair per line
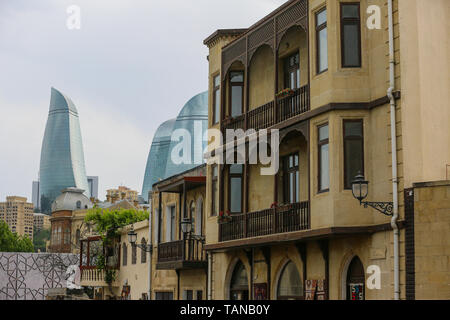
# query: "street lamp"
360, 190
186, 225
132, 237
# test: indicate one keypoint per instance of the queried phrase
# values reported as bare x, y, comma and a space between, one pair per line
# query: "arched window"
143, 252
239, 283
355, 280
192, 210
133, 254
124, 254
290, 286
199, 218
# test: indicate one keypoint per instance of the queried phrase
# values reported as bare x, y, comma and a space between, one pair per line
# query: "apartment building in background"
121, 193
18, 215
41, 221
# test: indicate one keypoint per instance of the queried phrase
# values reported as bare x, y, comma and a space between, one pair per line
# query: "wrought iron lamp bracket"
144, 247
385, 208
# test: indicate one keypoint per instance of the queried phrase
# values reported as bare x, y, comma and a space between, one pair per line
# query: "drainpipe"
209, 275
150, 246
390, 93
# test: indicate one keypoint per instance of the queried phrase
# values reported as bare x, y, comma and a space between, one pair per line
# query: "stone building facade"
301, 234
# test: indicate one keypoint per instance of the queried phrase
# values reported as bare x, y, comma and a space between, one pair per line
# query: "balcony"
274, 112
93, 277
288, 218
182, 254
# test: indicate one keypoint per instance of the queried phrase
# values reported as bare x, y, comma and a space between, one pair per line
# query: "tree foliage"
11, 242
40, 237
107, 224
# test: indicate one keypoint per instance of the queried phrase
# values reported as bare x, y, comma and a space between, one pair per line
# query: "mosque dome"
71, 199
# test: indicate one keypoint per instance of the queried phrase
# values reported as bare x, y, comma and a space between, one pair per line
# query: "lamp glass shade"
132, 236
186, 225
360, 187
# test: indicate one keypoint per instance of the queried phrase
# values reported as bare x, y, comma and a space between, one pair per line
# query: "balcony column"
246, 109
159, 217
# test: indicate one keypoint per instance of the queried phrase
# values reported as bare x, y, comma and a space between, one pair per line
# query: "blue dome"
157, 157
192, 121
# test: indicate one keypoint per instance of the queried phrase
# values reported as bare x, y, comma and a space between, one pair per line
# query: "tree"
11, 242
107, 224
40, 237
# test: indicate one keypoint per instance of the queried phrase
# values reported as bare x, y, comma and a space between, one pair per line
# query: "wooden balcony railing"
292, 217
262, 117
234, 123
187, 250
272, 113
293, 105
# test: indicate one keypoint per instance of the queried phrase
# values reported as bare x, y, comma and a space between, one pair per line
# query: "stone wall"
28, 276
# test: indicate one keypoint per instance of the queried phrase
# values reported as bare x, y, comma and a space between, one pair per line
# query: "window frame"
230, 95
288, 69
133, 254
350, 21
286, 172
345, 138
214, 186
321, 143
124, 254
143, 252
318, 29
231, 176
216, 113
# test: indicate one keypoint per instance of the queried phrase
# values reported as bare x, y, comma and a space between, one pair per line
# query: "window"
290, 286
291, 179
143, 252
188, 295
58, 240
324, 156
67, 236
322, 41
236, 93
353, 150
239, 283
199, 295
216, 99
350, 35
355, 280
292, 71
235, 187
163, 295
78, 204
133, 254
170, 224
214, 207
124, 254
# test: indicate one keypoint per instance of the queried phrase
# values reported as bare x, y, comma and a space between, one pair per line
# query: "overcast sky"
132, 65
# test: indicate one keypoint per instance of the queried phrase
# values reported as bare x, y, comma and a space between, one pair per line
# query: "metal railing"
288, 218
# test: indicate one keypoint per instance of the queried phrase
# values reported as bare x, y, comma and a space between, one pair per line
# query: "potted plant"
285, 93
224, 217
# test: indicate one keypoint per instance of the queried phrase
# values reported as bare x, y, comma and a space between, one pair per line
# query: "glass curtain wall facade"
62, 157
